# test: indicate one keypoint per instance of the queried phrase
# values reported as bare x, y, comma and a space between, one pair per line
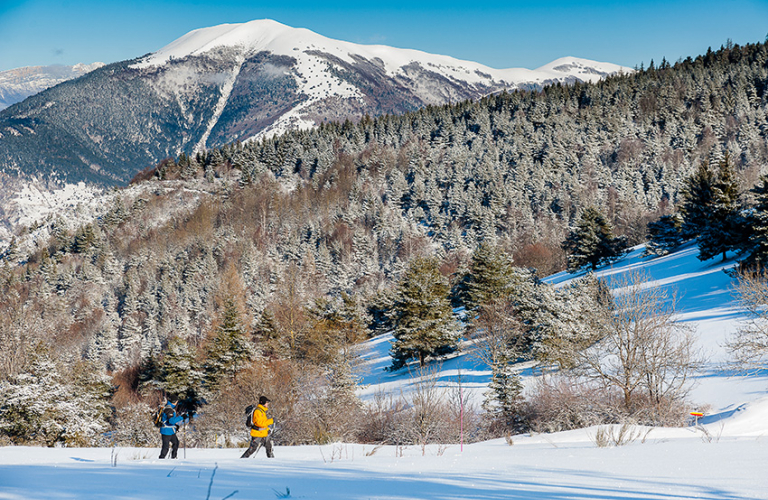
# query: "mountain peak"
584, 69
251, 37
277, 38
241, 82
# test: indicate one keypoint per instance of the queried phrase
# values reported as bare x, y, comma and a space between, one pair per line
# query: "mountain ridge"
232, 83
19, 83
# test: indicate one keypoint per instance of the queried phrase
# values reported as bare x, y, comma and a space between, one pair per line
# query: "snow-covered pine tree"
592, 243
379, 311
89, 405
43, 406
758, 221
504, 398
725, 228
696, 193
500, 340
179, 371
491, 275
664, 235
422, 315
569, 319
29, 409
230, 350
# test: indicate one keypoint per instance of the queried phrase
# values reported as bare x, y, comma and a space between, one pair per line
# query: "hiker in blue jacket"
171, 422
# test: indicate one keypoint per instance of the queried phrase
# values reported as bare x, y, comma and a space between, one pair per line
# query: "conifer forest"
259, 267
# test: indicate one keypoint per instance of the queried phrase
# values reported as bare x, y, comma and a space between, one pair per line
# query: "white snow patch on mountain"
226, 91
318, 70
583, 69
267, 35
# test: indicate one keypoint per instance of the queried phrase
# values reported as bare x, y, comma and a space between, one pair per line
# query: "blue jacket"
169, 423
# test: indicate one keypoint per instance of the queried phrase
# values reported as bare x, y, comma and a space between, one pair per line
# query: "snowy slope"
582, 69
558, 467
722, 458
704, 301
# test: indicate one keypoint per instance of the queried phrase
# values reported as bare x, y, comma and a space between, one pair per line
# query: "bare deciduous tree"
749, 345
647, 354
501, 340
497, 333
429, 409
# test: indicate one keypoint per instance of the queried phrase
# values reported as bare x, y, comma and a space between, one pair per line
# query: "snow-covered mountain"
338, 79
237, 82
20, 83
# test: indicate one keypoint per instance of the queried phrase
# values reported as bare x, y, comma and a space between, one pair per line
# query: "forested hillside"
520, 167
265, 262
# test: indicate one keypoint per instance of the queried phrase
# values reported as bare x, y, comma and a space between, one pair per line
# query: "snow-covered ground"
724, 457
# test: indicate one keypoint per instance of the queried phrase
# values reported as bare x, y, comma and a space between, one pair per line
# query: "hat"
263, 400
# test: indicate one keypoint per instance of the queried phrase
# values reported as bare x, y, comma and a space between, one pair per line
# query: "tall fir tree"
422, 315
758, 221
491, 275
230, 350
664, 235
725, 228
696, 194
179, 371
504, 398
592, 243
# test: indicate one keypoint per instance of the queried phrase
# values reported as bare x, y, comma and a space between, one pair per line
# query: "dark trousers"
167, 442
256, 444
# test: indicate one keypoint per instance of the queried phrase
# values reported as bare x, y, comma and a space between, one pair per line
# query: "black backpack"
167, 410
158, 420
249, 416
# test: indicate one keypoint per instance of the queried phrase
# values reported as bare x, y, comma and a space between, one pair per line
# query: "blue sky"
499, 34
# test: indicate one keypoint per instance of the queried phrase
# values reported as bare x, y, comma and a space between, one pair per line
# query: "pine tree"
180, 374
697, 193
491, 275
230, 350
758, 221
664, 235
266, 336
592, 242
11, 254
725, 228
504, 398
85, 238
422, 314
41, 405
570, 319
29, 410
379, 310
89, 408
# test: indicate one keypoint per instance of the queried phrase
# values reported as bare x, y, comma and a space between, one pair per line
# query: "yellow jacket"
260, 422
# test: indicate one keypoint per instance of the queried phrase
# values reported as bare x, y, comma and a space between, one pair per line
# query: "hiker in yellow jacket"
260, 430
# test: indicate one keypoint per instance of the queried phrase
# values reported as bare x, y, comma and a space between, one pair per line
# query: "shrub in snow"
40, 406
133, 426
